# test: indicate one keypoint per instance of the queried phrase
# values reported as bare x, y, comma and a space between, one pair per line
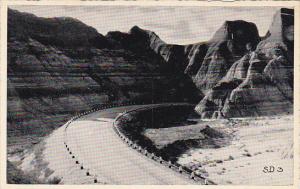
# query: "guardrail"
176, 167
68, 148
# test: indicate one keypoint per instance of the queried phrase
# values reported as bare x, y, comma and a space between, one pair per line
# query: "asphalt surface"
106, 157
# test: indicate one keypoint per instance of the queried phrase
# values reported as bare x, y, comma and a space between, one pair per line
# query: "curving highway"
102, 154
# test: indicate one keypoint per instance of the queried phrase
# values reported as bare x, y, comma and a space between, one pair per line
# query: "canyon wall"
60, 66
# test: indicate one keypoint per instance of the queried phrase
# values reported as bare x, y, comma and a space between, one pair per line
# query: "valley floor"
256, 143
235, 151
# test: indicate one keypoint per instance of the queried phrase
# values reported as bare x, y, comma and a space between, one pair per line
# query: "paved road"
94, 143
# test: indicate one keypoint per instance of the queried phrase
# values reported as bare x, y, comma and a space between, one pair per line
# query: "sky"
176, 25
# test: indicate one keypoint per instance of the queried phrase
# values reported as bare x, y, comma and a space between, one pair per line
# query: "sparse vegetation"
38, 167
17, 176
169, 138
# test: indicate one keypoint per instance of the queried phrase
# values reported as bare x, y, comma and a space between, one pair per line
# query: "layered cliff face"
60, 66
140, 40
261, 82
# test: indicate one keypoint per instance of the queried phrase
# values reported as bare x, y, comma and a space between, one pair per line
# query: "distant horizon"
183, 25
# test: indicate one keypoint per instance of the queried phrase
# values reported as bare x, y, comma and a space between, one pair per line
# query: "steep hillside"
140, 40
261, 82
60, 66
236, 68
227, 45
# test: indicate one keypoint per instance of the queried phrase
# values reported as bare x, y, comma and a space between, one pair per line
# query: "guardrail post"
160, 160
189, 173
152, 155
180, 169
87, 172
169, 164
95, 178
193, 175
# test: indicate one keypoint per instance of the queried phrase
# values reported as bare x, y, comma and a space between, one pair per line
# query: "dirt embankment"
167, 132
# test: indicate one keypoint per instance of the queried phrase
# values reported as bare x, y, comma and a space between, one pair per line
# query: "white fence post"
169, 164
95, 178
160, 159
180, 169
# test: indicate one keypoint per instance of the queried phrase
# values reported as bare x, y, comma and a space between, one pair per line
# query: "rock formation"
215, 57
261, 82
60, 66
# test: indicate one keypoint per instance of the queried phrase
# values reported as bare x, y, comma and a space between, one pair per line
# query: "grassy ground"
180, 138
163, 137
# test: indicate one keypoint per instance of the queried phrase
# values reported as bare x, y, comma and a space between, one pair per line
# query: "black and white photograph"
150, 95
